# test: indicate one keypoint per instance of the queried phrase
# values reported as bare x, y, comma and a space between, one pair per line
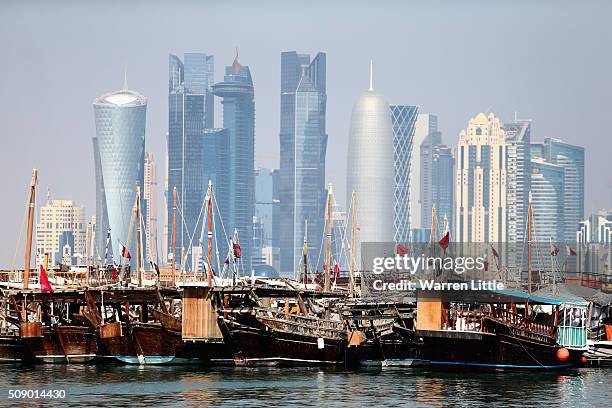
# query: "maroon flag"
125, 252
570, 251
444, 241
486, 265
237, 251
401, 250
495, 254
336, 269
114, 273
45, 286
554, 250
226, 260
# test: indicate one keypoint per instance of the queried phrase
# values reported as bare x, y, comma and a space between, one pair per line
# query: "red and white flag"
401, 250
125, 252
336, 269
45, 286
444, 241
237, 250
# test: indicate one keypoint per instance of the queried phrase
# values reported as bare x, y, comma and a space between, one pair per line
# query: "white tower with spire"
370, 171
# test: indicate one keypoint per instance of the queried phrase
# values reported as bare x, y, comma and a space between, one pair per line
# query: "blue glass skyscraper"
237, 95
442, 180
190, 111
120, 147
303, 145
403, 119
571, 159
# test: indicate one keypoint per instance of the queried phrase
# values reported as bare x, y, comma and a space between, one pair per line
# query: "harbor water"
91, 385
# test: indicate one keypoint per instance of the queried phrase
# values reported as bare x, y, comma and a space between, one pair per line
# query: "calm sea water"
132, 386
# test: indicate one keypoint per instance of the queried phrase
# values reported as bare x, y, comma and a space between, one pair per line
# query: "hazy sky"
550, 61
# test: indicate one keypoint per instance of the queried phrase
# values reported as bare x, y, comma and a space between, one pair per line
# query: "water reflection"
198, 386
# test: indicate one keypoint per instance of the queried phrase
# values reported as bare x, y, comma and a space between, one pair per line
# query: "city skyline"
67, 132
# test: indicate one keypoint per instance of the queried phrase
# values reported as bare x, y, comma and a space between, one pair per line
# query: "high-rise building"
238, 101
442, 186
150, 198
425, 125
426, 151
119, 149
547, 191
594, 244
102, 223
266, 209
370, 172
190, 111
571, 158
518, 164
403, 119
303, 145
61, 223
481, 181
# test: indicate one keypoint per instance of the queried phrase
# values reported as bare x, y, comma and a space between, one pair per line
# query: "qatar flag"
444, 241
125, 252
336, 269
237, 250
401, 250
45, 286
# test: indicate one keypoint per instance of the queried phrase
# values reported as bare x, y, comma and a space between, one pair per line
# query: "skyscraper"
190, 111
481, 181
442, 180
59, 219
571, 158
426, 151
237, 95
370, 170
547, 191
425, 125
403, 118
303, 145
119, 147
150, 198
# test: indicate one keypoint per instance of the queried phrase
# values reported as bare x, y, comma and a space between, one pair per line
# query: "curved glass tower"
370, 167
120, 140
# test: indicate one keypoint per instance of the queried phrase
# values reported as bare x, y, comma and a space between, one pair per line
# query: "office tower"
61, 223
481, 181
237, 95
594, 245
547, 191
266, 209
425, 125
216, 159
303, 145
370, 170
403, 118
119, 152
518, 164
190, 111
150, 198
571, 158
425, 185
442, 186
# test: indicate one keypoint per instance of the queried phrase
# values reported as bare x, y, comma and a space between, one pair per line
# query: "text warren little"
430, 284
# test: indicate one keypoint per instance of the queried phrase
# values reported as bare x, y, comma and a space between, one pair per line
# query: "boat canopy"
568, 290
503, 296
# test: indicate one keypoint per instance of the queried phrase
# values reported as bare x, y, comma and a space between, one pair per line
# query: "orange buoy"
583, 360
563, 354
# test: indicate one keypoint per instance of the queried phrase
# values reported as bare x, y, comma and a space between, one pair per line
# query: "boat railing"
331, 328
509, 317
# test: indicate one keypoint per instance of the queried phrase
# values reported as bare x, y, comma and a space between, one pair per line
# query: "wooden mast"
139, 254
326, 284
529, 221
129, 236
210, 232
28, 252
173, 267
305, 254
352, 264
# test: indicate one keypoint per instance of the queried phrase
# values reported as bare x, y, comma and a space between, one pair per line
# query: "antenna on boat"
305, 254
210, 232
529, 221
